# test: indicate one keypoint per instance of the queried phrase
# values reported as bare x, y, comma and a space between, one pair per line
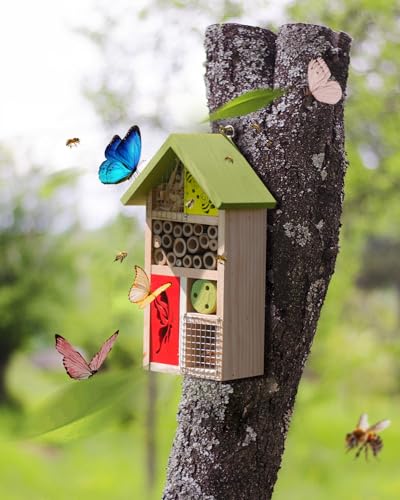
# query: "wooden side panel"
244, 293
221, 265
164, 322
147, 268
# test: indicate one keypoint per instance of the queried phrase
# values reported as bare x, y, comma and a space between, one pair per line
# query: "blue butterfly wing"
111, 148
113, 172
129, 149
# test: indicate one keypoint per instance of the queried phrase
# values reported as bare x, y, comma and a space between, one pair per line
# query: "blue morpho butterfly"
122, 157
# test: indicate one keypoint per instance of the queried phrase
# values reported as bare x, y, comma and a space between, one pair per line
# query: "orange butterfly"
140, 292
323, 89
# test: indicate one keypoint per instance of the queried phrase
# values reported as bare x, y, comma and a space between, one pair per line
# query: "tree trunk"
230, 437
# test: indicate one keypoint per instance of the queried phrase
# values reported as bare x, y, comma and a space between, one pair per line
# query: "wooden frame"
236, 263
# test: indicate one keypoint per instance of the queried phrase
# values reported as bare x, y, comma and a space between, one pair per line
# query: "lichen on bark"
230, 437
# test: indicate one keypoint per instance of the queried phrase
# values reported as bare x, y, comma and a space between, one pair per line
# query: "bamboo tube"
212, 232
209, 260
156, 241
171, 258
157, 227
193, 244
177, 231
178, 262
204, 241
179, 247
167, 227
166, 241
197, 229
213, 245
187, 229
197, 262
187, 261
159, 257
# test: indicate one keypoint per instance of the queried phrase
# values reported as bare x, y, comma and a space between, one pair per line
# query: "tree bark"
230, 436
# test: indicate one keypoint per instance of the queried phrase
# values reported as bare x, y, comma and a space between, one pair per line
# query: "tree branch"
230, 437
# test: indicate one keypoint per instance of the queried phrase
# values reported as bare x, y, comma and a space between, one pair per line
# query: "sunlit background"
90, 69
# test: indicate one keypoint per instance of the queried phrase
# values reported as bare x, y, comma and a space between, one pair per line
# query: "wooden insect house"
206, 234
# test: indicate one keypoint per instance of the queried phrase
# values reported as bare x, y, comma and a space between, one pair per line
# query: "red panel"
164, 322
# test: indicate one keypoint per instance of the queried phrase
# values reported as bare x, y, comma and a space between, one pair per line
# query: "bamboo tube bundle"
156, 241
179, 247
197, 229
187, 261
177, 230
197, 262
171, 259
167, 227
157, 227
204, 241
159, 257
166, 241
213, 245
187, 229
209, 260
193, 245
185, 244
212, 232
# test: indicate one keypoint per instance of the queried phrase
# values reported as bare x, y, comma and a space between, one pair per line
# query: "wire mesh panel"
202, 346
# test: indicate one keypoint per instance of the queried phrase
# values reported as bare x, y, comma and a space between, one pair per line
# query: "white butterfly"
323, 89
140, 292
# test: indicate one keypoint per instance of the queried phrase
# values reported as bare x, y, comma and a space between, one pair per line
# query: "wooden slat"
221, 266
147, 268
160, 367
182, 311
184, 272
244, 293
182, 217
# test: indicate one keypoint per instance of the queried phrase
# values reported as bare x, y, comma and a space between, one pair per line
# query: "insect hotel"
205, 234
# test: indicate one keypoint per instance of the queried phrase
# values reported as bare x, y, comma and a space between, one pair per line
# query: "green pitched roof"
208, 157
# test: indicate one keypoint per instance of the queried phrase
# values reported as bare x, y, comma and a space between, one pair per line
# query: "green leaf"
79, 401
246, 103
57, 180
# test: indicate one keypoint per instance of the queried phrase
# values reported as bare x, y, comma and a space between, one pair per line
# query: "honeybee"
121, 256
72, 142
365, 436
221, 258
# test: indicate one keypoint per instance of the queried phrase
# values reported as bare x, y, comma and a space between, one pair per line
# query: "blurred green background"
109, 437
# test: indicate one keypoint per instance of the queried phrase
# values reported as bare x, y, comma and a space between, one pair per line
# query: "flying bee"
121, 256
221, 258
72, 142
365, 436
229, 158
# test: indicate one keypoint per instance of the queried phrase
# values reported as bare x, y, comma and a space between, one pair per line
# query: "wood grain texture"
161, 367
147, 267
207, 274
182, 217
297, 148
244, 293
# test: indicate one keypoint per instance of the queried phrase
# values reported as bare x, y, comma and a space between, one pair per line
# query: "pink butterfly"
323, 89
75, 364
